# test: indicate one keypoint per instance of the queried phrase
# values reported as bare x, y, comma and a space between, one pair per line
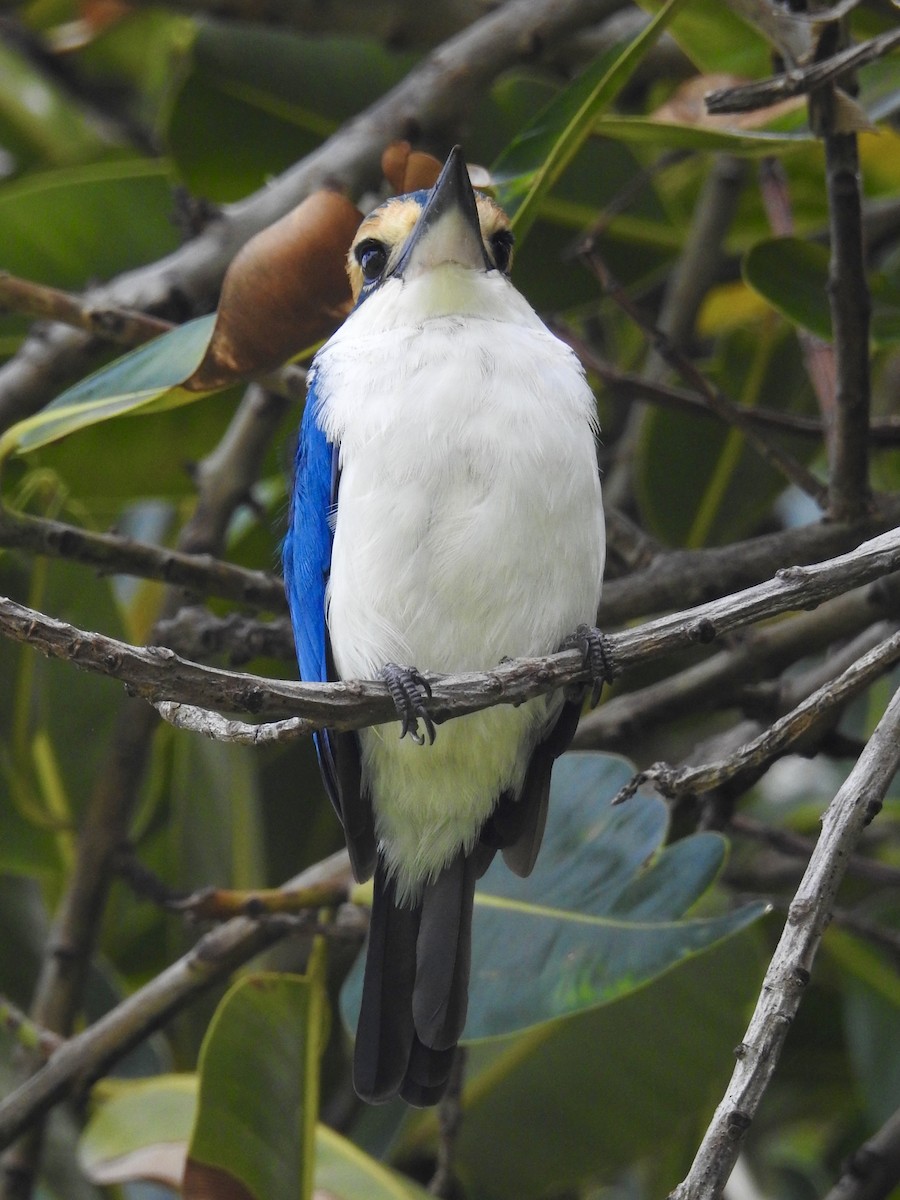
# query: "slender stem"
854, 806
851, 306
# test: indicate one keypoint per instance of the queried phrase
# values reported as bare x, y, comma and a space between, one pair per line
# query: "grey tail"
415, 988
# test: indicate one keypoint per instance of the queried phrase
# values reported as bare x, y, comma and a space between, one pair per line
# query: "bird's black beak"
448, 231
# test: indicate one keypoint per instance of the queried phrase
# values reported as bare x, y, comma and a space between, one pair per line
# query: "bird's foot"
409, 690
597, 652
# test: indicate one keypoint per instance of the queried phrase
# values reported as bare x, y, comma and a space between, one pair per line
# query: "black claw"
597, 652
409, 690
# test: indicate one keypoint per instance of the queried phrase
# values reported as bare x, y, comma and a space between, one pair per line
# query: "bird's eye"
502, 248
372, 258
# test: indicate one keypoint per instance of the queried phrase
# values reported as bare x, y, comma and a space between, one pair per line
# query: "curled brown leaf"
285, 290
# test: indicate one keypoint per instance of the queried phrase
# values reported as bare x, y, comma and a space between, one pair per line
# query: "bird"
445, 515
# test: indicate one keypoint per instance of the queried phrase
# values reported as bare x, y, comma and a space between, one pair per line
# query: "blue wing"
306, 553
306, 557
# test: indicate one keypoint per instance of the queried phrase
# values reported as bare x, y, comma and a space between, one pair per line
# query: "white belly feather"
469, 530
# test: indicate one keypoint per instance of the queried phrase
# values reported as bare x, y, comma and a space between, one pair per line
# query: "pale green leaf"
151, 374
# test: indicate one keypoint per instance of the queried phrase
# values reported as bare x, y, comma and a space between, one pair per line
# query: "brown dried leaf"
285, 290
687, 106
202, 1182
393, 163
408, 170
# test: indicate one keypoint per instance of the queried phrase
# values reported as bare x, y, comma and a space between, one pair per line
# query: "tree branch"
798, 80
115, 555
158, 674
872, 1171
750, 761
124, 326
83, 1058
851, 307
720, 680
854, 806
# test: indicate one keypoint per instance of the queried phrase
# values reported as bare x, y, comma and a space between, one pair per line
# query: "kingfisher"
445, 515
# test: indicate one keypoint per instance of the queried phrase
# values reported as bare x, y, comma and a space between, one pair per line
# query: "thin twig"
83, 1058
721, 680
796, 845
883, 431
749, 762
450, 1121
854, 806
770, 452
121, 325
29, 1035
873, 1171
220, 729
116, 555
795, 82
851, 307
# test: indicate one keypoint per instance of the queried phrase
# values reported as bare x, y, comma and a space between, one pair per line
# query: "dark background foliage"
712, 270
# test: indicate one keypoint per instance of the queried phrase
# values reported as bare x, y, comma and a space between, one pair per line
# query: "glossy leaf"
259, 1086
534, 161
152, 372
568, 1105
602, 914
715, 38
348, 1173
39, 124
729, 486
139, 1130
671, 135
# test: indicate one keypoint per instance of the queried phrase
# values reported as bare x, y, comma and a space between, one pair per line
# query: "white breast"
469, 529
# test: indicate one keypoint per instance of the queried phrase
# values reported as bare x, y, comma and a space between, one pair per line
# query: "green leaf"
716, 39
669, 135
348, 1173
793, 276
872, 1019
572, 1104
151, 373
256, 100
534, 161
259, 1085
728, 489
73, 225
40, 124
601, 915
140, 1129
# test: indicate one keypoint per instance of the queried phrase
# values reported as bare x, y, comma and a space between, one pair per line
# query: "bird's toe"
409, 690
597, 652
